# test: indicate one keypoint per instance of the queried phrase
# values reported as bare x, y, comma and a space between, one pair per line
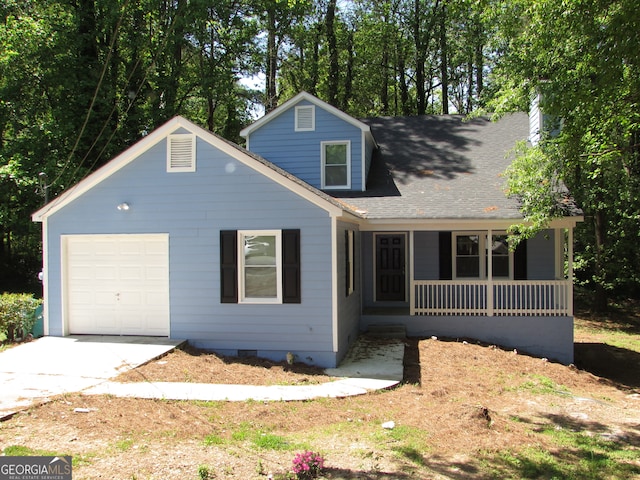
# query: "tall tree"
582, 58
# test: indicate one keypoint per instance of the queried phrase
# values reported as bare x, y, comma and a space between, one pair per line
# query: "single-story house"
322, 227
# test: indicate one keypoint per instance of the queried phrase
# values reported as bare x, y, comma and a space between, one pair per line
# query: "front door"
390, 267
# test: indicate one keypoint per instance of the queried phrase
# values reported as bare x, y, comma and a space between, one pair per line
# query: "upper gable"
181, 154
315, 142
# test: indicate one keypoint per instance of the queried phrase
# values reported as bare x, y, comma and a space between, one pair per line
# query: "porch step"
387, 331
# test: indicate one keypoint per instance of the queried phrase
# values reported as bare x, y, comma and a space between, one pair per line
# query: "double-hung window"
260, 266
336, 164
472, 250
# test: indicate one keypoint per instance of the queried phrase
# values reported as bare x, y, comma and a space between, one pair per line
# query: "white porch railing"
498, 297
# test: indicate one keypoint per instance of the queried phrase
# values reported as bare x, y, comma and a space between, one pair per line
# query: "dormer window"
305, 118
181, 153
336, 165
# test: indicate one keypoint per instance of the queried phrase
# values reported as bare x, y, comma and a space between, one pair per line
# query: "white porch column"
570, 269
489, 273
412, 286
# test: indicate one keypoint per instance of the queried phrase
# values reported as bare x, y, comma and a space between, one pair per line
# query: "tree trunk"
421, 99
402, 79
333, 79
271, 100
600, 227
348, 78
444, 65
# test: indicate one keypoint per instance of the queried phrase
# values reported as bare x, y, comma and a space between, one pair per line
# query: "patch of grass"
541, 385
22, 451
577, 456
124, 445
260, 438
213, 439
269, 441
243, 432
406, 441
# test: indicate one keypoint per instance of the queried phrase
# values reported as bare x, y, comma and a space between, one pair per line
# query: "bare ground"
460, 403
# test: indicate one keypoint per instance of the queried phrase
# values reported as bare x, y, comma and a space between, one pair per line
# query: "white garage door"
117, 284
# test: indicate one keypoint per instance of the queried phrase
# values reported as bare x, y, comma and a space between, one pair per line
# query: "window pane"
260, 282
260, 250
467, 245
335, 154
468, 267
500, 252
260, 271
335, 176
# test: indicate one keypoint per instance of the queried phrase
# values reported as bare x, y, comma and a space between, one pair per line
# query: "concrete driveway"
33, 372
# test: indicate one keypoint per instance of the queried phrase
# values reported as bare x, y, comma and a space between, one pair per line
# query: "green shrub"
17, 314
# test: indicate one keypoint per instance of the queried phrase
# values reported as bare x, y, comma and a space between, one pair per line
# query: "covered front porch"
467, 283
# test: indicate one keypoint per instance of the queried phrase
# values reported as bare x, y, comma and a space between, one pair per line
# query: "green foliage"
17, 314
532, 177
205, 473
579, 57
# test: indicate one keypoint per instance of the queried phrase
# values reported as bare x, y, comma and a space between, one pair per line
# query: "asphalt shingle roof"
440, 167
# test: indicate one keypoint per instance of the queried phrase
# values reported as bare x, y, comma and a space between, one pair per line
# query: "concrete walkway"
34, 372
370, 364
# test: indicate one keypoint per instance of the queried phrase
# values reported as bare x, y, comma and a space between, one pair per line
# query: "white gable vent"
181, 153
305, 118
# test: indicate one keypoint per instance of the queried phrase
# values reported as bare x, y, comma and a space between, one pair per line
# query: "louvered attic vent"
305, 118
181, 153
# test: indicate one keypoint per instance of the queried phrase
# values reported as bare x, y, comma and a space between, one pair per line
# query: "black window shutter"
444, 244
291, 288
228, 266
347, 262
520, 261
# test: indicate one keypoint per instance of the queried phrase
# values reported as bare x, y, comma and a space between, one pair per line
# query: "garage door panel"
115, 286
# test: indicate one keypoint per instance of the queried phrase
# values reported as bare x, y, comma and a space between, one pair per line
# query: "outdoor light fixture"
123, 207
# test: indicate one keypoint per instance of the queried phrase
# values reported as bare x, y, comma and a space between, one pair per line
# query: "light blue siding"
223, 194
300, 152
541, 256
349, 307
426, 255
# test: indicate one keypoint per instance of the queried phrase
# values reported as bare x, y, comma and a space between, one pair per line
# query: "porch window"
471, 256
501, 257
335, 165
467, 257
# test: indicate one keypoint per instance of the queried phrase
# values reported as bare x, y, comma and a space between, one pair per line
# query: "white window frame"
323, 152
483, 254
189, 149
300, 108
243, 298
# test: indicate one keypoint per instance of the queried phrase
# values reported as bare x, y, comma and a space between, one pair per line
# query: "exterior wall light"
123, 207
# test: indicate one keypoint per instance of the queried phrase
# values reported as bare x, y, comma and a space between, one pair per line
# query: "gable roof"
440, 167
304, 96
331, 204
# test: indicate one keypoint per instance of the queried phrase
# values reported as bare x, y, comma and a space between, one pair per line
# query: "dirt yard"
461, 411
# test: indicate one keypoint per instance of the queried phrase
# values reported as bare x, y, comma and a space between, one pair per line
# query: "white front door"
117, 284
